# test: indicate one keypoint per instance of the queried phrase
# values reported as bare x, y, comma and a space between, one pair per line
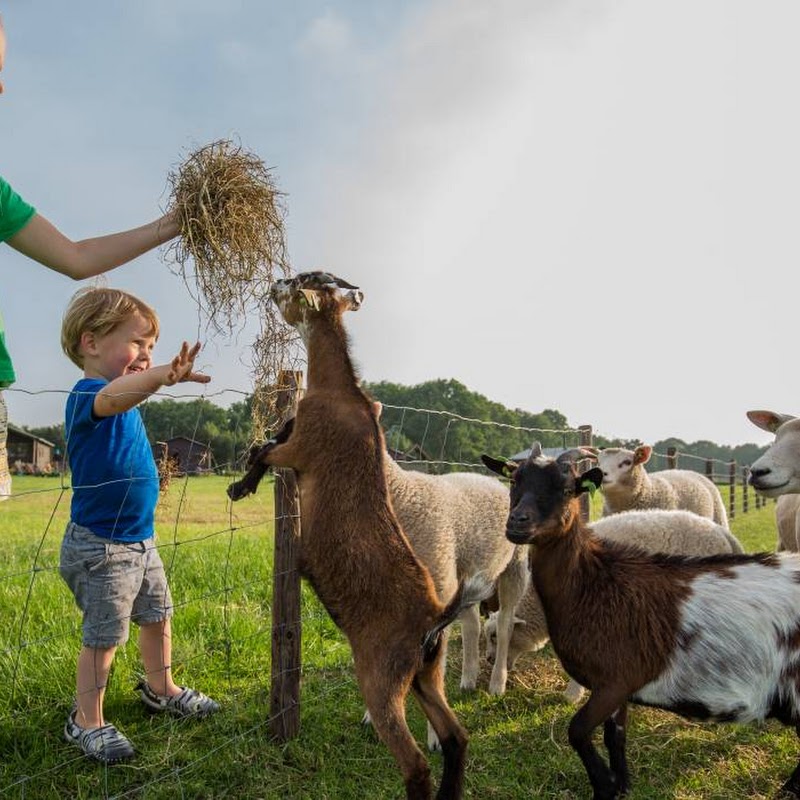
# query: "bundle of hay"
231, 249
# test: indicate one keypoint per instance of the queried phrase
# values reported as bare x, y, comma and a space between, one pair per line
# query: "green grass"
220, 564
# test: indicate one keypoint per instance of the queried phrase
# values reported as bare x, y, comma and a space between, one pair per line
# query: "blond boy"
108, 555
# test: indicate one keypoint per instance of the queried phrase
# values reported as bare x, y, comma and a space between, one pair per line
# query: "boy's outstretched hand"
182, 366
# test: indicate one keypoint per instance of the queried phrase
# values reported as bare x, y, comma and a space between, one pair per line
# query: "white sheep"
456, 526
627, 485
657, 531
787, 516
777, 473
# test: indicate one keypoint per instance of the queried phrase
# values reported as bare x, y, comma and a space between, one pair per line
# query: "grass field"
219, 560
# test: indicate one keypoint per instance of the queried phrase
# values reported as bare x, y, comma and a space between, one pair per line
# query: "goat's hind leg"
388, 714
428, 688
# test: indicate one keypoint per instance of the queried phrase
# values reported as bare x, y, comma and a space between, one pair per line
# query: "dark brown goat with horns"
714, 638
352, 548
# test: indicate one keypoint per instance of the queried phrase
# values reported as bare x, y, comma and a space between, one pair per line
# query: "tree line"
436, 437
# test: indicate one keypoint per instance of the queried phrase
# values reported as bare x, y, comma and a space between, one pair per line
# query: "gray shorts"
113, 583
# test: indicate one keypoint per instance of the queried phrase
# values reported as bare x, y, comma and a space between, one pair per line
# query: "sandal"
105, 744
189, 703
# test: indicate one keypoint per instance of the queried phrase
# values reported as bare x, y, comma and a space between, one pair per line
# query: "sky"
583, 205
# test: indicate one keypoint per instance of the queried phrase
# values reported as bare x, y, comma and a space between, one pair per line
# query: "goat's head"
778, 470
542, 491
309, 294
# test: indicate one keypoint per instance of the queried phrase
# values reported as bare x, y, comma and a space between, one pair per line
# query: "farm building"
29, 454
187, 455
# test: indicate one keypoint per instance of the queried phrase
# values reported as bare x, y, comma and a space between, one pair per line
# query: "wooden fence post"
745, 493
585, 440
286, 629
672, 458
710, 470
732, 482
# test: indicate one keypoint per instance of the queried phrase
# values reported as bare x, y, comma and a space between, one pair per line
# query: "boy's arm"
127, 391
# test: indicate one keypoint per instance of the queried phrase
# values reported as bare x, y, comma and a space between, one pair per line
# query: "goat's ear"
377, 407
641, 455
309, 298
768, 420
500, 465
590, 481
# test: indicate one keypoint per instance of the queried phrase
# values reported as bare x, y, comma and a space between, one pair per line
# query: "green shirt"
15, 214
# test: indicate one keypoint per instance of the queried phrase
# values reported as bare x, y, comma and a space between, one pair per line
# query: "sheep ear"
590, 481
500, 465
768, 420
641, 455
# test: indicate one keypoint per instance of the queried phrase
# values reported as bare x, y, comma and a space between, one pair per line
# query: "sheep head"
777, 472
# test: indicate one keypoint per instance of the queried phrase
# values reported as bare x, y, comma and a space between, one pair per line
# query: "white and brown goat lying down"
352, 549
714, 638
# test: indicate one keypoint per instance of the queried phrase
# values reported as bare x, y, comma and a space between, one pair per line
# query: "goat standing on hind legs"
352, 549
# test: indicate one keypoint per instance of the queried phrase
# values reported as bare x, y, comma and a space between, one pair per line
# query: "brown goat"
712, 637
352, 549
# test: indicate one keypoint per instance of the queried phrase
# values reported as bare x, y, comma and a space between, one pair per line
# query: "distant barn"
187, 457
29, 454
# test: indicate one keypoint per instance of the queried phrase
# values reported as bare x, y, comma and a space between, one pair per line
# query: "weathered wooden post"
286, 630
585, 440
732, 482
672, 458
745, 493
710, 470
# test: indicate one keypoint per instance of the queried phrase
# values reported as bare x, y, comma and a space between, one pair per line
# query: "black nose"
517, 518
760, 472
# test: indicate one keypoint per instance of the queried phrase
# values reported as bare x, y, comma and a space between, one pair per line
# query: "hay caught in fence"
231, 249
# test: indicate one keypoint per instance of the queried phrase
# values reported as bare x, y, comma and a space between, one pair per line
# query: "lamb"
657, 531
627, 485
456, 526
714, 637
352, 548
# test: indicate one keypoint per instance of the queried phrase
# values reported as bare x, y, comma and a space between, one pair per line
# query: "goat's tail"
470, 591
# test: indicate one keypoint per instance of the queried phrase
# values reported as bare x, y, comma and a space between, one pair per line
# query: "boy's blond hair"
98, 310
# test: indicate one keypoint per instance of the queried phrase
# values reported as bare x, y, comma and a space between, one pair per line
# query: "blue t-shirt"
114, 475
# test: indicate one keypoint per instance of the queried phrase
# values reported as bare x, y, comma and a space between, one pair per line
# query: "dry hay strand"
232, 230
277, 353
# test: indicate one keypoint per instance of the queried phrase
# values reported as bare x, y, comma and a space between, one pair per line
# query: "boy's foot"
189, 703
105, 744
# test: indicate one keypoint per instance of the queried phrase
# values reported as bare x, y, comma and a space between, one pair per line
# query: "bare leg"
155, 646
94, 664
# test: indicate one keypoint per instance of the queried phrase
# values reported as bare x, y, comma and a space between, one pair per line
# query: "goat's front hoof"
238, 490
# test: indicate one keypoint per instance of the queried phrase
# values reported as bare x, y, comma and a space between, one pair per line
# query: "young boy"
108, 556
